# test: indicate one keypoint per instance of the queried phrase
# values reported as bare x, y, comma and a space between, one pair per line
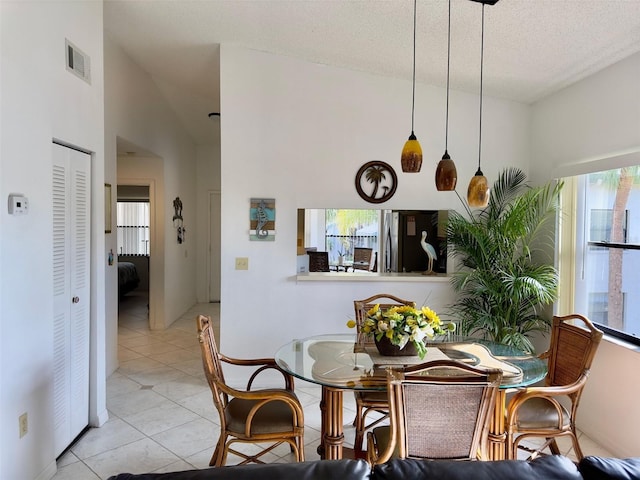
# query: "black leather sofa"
545, 468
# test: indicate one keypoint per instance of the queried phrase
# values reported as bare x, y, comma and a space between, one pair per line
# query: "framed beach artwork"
262, 219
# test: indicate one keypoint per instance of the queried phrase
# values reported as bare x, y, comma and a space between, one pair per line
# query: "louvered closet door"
71, 250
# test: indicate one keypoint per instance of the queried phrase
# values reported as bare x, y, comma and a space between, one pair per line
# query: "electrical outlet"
24, 424
242, 263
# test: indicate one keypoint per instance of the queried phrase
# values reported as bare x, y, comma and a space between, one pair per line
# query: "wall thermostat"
18, 204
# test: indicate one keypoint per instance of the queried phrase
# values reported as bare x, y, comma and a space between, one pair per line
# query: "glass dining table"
338, 364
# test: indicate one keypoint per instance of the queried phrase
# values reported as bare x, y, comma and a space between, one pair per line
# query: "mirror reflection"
372, 240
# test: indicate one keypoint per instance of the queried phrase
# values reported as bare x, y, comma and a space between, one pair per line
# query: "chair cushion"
377, 397
382, 437
540, 413
274, 417
600, 468
553, 467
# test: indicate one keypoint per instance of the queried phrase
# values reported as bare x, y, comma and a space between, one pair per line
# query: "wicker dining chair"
541, 411
363, 258
318, 261
438, 410
368, 402
269, 416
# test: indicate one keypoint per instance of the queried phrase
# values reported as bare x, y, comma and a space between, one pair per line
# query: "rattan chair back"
318, 261
438, 410
572, 349
362, 258
265, 417
370, 402
211, 363
361, 307
542, 411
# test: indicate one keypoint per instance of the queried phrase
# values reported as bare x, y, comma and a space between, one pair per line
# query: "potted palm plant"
501, 288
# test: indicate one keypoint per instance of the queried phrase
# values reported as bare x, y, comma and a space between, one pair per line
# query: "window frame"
573, 237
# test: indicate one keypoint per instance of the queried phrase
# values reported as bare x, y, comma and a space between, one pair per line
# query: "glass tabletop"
330, 360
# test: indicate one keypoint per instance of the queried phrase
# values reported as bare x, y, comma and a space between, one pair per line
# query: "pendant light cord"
481, 74
446, 134
413, 97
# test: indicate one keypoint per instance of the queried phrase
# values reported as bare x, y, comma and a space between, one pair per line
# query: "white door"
214, 246
71, 179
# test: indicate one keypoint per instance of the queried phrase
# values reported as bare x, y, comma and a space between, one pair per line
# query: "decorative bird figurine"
430, 251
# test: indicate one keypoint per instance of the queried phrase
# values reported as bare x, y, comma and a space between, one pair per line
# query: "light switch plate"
242, 263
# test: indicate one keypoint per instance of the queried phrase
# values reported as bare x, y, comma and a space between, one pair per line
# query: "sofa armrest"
330, 469
554, 467
601, 468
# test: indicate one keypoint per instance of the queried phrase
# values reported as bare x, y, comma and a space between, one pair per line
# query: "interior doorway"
133, 229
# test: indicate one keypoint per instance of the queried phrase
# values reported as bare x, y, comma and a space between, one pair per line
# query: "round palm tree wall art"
376, 181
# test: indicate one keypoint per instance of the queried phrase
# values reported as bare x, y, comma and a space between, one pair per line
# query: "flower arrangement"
404, 324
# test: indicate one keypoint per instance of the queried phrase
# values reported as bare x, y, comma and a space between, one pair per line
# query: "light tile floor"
161, 416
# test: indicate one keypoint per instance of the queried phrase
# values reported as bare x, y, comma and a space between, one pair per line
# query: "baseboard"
101, 419
49, 472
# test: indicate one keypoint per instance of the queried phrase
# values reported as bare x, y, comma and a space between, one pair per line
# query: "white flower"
419, 335
403, 341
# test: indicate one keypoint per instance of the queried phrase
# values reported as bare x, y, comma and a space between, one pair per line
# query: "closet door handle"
75, 300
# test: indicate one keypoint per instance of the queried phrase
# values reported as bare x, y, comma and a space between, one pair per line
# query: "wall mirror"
394, 237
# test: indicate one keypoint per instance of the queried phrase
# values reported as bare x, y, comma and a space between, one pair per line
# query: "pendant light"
446, 173
478, 191
411, 159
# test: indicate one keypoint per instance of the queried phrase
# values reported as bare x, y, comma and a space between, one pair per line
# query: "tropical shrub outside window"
346, 229
339, 231
608, 250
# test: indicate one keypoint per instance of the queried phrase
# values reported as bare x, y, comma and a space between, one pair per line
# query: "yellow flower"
402, 324
405, 308
431, 315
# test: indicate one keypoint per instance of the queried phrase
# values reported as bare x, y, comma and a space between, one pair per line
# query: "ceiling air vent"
78, 62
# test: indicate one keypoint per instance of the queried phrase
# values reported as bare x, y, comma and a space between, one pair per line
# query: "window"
133, 228
600, 226
607, 273
338, 231
393, 235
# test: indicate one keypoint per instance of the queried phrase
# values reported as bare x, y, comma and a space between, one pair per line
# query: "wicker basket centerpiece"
402, 330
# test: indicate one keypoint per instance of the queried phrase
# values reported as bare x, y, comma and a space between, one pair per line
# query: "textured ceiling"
532, 47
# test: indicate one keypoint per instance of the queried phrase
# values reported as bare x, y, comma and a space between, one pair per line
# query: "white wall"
137, 112
298, 132
40, 101
580, 128
595, 125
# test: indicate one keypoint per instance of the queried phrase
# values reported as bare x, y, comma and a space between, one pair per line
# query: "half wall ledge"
371, 277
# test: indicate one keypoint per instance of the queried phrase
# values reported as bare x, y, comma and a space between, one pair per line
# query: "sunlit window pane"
608, 249
133, 228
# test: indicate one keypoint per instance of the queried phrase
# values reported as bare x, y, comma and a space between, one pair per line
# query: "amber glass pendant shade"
446, 174
478, 191
411, 159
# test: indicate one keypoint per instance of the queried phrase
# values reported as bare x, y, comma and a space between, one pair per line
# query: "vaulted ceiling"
532, 47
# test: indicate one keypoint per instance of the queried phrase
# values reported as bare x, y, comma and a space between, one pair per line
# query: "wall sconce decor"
383, 180
178, 223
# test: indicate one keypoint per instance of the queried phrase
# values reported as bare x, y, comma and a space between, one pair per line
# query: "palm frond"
500, 288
